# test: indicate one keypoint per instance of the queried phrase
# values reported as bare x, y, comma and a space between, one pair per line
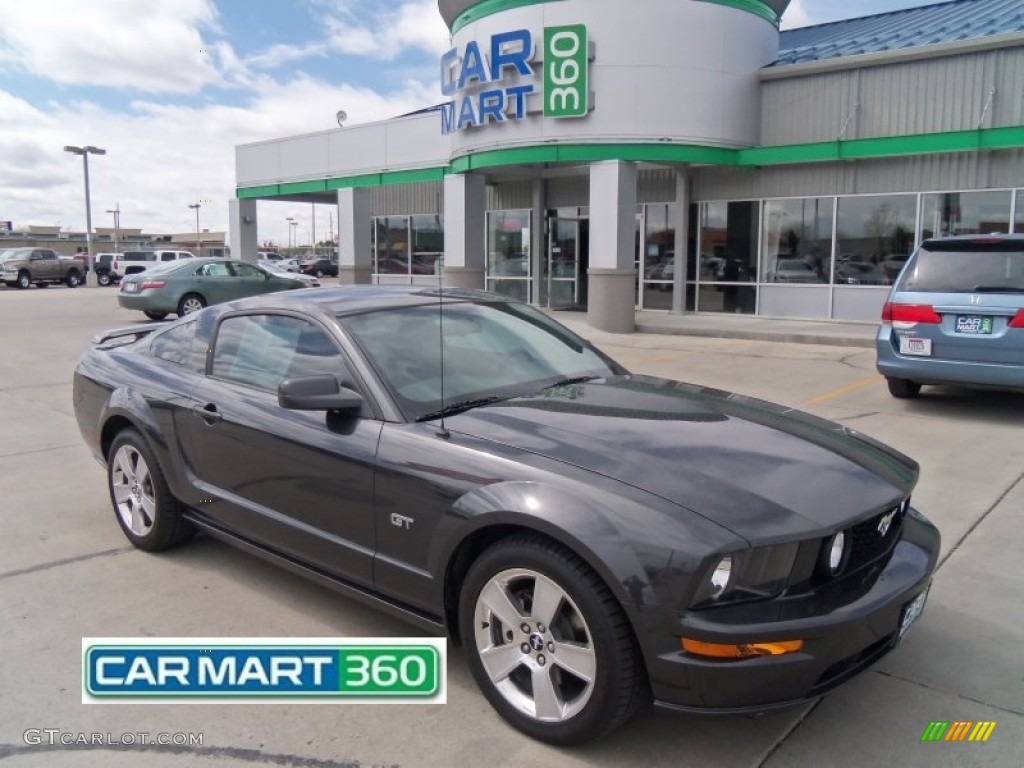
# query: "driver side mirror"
317, 393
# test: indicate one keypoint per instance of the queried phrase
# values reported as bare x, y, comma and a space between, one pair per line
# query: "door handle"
207, 413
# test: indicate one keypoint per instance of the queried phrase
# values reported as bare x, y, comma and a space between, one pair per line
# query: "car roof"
356, 299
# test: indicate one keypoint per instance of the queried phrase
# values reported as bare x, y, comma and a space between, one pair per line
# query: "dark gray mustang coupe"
596, 538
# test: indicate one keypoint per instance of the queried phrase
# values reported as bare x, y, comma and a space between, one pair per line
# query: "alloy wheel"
133, 490
535, 645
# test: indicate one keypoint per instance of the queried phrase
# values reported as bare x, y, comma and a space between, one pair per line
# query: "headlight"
837, 553
760, 572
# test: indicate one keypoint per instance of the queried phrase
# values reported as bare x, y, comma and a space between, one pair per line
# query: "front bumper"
846, 626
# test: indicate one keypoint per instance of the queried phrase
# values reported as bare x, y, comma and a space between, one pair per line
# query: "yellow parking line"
845, 390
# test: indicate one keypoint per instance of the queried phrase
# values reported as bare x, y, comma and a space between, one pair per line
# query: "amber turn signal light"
741, 650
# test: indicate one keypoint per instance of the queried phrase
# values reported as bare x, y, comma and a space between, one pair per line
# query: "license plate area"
911, 345
974, 325
131, 287
911, 613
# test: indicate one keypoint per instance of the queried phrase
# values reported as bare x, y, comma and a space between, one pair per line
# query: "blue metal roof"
927, 25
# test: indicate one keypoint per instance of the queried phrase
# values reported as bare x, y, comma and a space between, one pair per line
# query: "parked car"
102, 263
860, 273
595, 538
275, 267
184, 287
956, 316
319, 267
25, 267
793, 271
133, 262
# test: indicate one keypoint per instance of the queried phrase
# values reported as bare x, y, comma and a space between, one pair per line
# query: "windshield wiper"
573, 380
999, 288
464, 405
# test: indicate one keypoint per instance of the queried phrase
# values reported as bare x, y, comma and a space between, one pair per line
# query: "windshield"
15, 253
491, 349
965, 268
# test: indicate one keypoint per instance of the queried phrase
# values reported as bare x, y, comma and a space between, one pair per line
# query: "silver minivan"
956, 316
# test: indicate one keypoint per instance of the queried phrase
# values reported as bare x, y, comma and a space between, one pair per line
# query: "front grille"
868, 542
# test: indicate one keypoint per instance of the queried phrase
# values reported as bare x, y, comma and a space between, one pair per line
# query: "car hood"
763, 471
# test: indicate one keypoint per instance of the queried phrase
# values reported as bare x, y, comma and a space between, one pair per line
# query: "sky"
169, 91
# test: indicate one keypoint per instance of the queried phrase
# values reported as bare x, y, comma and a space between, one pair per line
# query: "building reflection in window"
875, 235
797, 240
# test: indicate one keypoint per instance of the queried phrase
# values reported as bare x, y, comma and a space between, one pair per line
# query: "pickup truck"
23, 267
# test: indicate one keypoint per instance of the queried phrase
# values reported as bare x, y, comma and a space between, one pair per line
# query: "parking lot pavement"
67, 572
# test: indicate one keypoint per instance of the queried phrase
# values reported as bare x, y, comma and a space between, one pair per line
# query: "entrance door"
563, 263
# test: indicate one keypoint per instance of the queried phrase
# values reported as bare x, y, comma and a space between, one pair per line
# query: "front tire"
145, 509
548, 643
190, 302
24, 280
904, 389
319, 273
103, 278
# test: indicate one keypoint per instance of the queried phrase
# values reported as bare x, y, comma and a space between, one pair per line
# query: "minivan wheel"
190, 302
903, 388
146, 511
549, 645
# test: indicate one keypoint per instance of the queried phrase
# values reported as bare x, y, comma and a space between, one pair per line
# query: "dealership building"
673, 155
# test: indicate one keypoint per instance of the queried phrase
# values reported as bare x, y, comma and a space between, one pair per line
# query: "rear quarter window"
179, 345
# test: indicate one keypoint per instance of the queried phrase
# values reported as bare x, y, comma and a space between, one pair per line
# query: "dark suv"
319, 267
956, 316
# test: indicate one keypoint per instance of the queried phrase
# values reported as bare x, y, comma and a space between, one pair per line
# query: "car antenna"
442, 431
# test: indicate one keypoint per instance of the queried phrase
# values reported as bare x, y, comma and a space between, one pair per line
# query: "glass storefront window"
875, 235
659, 256
1018, 212
728, 254
508, 253
427, 245
796, 242
964, 213
391, 245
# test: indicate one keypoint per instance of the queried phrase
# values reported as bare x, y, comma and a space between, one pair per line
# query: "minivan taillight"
1018, 319
905, 315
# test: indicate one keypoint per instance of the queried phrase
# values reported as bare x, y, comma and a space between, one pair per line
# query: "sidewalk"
835, 333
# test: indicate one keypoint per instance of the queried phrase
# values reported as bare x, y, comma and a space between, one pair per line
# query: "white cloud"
156, 47
412, 26
162, 157
282, 53
796, 16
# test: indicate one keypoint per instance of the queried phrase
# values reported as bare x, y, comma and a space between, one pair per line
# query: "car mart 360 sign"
476, 83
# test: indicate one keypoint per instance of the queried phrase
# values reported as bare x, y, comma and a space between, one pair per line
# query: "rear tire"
145, 509
190, 302
154, 315
904, 389
580, 675
73, 280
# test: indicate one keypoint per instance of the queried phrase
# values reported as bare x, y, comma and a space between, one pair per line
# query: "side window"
167, 256
246, 270
178, 345
215, 269
261, 350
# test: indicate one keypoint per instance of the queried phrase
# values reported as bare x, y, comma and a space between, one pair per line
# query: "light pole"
90, 277
116, 210
291, 223
199, 244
